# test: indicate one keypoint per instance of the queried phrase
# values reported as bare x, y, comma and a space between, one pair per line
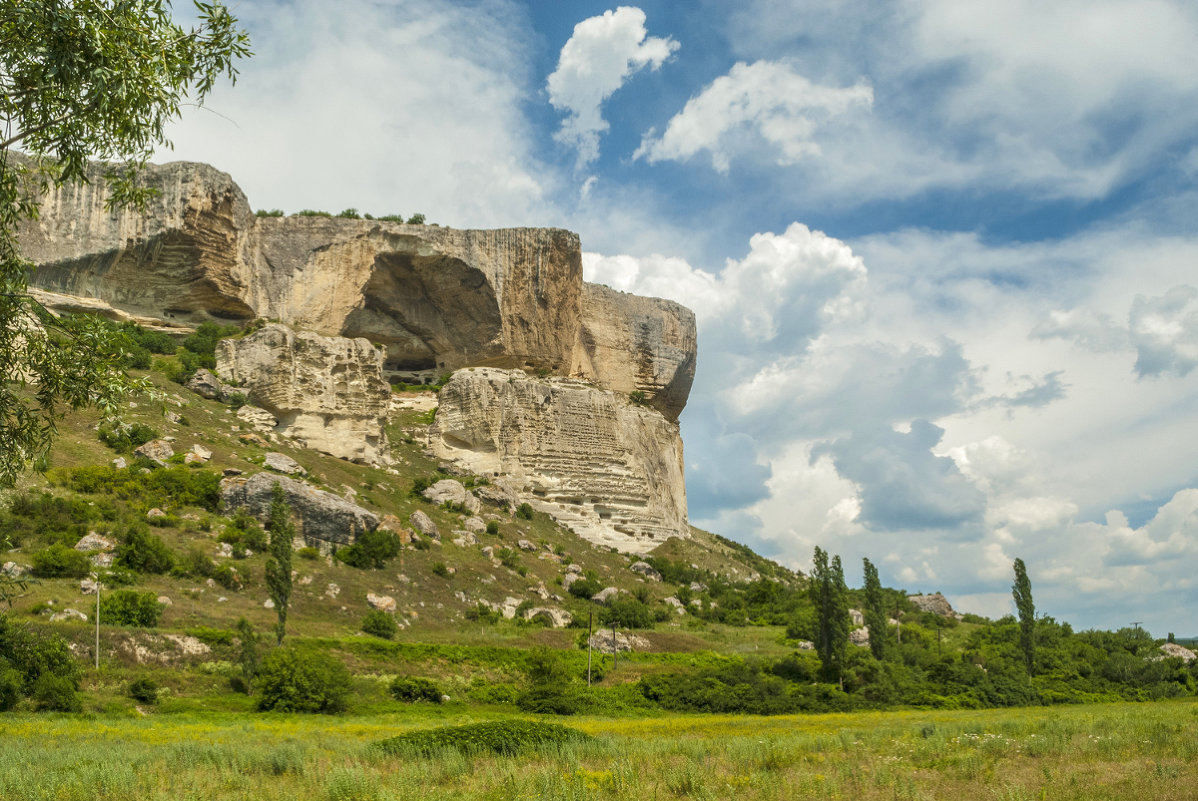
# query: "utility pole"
615, 649
590, 625
97, 575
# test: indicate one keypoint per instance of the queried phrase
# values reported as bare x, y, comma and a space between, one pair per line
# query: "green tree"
829, 596
875, 611
278, 566
80, 80
248, 655
1021, 590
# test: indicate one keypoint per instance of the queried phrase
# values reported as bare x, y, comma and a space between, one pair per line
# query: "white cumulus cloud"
604, 52
766, 99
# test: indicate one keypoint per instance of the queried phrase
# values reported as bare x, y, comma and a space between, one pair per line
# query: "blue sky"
943, 255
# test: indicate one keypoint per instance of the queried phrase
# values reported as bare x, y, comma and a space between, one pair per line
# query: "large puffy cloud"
603, 53
1065, 99
767, 98
378, 107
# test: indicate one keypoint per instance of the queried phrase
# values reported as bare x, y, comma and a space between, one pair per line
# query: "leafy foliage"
411, 689
291, 680
1021, 590
80, 80
130, 608
144, 689
177, 486
371, 550
506, 737
33, 654
379, 624
144, 552
59, 561
829, 596
875, 611
278, 566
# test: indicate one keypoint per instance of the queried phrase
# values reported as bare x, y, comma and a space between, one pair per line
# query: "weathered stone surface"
606, 594
259, 419
436, 298
119, 463
678, 606
646, 570
475, 525
206, 385
383, 603
199, 450
607, 643
155, 514
499, 493
282, 463
559, 618
452, 491
525, 545
935, 603
327, 392
857, 616
1172, 649
608, 469
859, 637
94, 542
322, 515
464, 539
630, 343
68, 614
424, 524
156, 450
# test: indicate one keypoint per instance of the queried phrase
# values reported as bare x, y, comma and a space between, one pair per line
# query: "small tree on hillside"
1021, 590
875, 611
278, 567
829, 595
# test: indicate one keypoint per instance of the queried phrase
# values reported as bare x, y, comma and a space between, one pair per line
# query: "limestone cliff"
597, 446
436, 298
608, 469
326, 392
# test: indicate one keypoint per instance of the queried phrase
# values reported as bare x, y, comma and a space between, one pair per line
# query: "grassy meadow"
1112, 751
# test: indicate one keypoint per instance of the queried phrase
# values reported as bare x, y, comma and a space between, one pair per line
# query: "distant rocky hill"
587, 432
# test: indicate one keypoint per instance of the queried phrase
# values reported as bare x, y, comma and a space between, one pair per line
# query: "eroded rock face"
323, 516
635, 344
608, 469
326, 392
437, 299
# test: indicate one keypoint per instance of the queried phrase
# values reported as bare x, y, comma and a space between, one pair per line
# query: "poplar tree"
278, 566
875, 611
829, 595
1021, 590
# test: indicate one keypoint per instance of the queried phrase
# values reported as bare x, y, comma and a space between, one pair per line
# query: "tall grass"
1120, 751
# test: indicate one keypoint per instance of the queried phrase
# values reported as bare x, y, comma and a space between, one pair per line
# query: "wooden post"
615, 649
97, 621
590, 625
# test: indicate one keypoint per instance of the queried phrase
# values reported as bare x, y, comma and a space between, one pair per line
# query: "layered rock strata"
436, 298
608, 469
327, 393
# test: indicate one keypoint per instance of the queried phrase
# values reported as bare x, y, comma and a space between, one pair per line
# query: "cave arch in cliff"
430, 311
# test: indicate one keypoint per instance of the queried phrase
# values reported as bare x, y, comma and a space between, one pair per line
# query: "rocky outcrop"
934, 603
608, 469
327, 393
323, 516
435, 298
634, 344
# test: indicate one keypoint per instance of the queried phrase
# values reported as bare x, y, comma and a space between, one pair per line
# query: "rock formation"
436, 298
326, 392
323, 516
597, 446
608, 469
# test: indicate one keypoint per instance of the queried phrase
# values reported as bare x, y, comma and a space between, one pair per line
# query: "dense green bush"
244, 530
130, 608
33, 653
173, 486
144, 689
507, 737
59, 561
524, 511
413, 688
379, 624
371, 550
52, 693
628, 613
11, 683
291, 680
481, 613
585, 587
42, 517
493, 528
144, 552
552, 699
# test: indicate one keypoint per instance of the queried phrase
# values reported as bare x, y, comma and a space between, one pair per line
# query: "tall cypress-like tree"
1021, 590
875, 612
278, 566
829, 595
